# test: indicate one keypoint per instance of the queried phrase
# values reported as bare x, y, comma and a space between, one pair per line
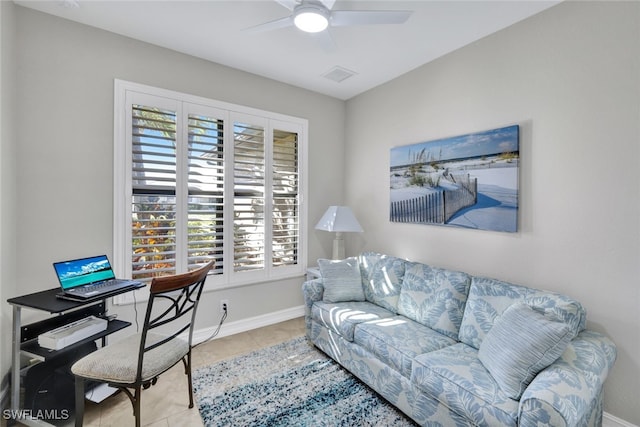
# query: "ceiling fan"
314, 16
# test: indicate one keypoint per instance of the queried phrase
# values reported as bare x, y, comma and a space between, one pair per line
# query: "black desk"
25, 337
47, 300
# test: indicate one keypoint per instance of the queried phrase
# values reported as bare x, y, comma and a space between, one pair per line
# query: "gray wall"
570, 77
64, 75
7, 179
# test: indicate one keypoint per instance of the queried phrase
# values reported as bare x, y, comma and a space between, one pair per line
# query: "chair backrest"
172, 306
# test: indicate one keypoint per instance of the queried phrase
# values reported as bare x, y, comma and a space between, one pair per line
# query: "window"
198, 179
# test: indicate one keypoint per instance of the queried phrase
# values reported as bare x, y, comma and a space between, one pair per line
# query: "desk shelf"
32, 348
25, 337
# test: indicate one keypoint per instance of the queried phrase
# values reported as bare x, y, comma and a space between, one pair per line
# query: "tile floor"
167, 403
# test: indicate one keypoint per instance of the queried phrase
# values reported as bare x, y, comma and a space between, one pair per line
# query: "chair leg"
79, 401
188, 369
136, 404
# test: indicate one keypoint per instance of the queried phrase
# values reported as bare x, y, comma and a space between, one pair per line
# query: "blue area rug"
290, 384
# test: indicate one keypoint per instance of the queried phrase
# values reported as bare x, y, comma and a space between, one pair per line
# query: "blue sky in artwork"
503, 140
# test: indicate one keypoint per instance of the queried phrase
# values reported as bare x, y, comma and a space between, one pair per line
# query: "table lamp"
339, 219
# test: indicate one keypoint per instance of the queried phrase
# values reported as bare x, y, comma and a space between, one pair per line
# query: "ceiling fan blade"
289, 4
328, 3
325, 40
342, 18
271, 25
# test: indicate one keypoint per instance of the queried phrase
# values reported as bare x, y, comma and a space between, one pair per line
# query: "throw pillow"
341, 280
521, 343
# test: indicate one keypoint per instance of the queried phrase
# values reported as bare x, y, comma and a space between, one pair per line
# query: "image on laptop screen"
80, 272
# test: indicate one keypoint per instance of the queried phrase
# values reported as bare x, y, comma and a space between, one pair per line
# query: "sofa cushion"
455, 376
341, 280
382, 278
520, 344
560, 308
434, 297
343, 317
489, 298
397, 340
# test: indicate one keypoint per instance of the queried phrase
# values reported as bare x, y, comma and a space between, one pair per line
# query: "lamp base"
338, 246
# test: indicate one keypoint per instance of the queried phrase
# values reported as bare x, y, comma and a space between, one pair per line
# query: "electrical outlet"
224, 305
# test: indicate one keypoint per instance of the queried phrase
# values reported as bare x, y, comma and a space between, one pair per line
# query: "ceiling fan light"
311, 19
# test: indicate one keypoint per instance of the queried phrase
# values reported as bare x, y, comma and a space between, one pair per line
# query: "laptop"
87, 278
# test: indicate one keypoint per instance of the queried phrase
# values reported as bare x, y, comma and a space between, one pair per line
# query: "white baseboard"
244, 325
609, 420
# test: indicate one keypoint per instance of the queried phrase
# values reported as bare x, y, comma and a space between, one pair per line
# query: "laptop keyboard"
102, 286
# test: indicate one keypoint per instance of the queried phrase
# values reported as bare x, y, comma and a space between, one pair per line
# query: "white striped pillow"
521, 343
341, 280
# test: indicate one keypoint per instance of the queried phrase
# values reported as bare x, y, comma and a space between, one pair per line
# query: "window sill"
142, 294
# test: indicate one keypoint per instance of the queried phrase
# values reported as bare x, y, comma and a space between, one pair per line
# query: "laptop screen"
81, 272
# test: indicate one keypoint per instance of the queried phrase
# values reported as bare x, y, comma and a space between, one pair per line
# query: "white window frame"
124, 92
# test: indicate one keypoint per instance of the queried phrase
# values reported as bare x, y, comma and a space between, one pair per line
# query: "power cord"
135, 309
213, 335
217, 331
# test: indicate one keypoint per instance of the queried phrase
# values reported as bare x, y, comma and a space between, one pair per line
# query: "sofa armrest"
312, 291
569, 392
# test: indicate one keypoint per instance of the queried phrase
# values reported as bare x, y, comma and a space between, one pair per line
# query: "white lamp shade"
339, 219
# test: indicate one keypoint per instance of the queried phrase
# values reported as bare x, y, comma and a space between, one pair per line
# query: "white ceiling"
213, 30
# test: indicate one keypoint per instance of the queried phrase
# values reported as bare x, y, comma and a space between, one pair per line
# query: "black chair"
136, 362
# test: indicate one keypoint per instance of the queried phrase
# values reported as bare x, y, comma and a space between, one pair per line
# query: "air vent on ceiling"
69, 4
339, 74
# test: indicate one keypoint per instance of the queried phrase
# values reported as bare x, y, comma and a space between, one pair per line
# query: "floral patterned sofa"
451, 349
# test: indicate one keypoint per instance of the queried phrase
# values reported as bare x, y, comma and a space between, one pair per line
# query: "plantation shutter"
153, 211
205, 212
248, 197
285, 191
197, 179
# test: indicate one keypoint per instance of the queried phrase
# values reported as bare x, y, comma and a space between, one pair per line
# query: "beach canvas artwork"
468, 181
